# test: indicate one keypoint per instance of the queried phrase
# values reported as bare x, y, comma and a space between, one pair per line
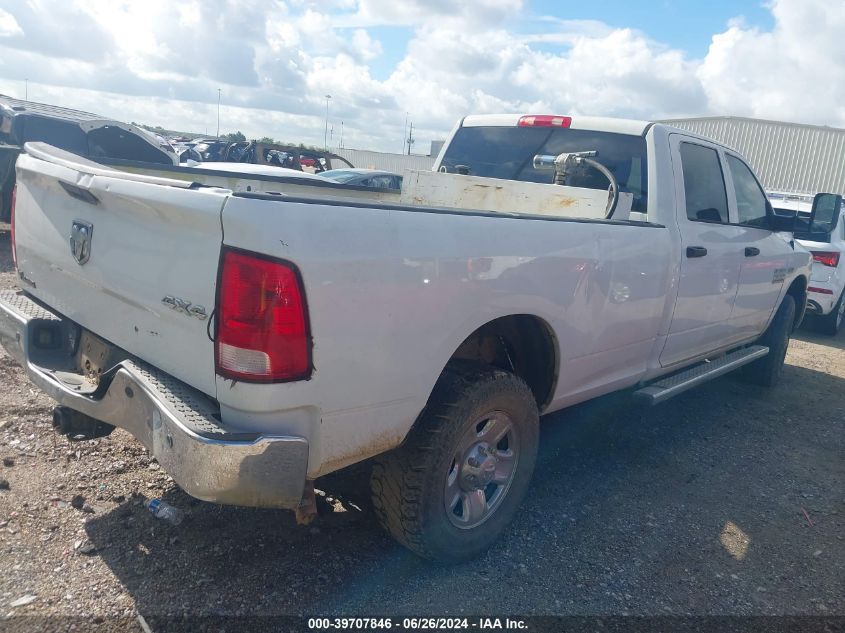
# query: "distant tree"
267, 139
235, 137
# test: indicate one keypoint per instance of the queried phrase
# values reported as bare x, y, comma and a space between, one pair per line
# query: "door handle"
696, 251
751, 251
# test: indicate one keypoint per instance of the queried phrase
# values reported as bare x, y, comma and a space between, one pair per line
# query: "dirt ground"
727, 500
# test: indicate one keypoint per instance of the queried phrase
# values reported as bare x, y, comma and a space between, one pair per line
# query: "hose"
613, 184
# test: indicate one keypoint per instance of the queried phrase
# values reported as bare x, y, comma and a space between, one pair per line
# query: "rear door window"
750, 198
704, 184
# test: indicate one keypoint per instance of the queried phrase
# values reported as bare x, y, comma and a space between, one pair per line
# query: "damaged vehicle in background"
79, 132
274, 154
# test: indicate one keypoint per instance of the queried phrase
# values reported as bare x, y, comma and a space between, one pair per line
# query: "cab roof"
602, 124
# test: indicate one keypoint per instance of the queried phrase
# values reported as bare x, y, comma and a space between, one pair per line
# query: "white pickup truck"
256, 341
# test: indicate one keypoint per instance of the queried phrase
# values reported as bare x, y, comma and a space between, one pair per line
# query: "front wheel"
452, 487
766, 371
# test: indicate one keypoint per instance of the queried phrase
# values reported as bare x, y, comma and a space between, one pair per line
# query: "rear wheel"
832, 323
456, 482
766, 371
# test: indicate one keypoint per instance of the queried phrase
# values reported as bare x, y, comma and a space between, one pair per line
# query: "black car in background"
82, 133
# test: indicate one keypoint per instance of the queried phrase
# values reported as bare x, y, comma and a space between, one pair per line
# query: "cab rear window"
508, 153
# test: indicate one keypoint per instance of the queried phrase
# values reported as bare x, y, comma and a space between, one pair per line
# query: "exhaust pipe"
78, 426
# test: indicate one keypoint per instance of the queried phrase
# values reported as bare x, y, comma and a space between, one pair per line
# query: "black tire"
409, 483
830, 324
766, 371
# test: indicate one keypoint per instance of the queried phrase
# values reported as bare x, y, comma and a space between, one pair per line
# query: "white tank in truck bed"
474, 193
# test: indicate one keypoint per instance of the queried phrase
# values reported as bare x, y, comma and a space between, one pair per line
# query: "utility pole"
410, 138
405, 133
218, 112
326, 131
341, 134
26, 89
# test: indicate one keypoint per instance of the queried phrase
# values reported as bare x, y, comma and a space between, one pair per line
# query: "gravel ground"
727, 500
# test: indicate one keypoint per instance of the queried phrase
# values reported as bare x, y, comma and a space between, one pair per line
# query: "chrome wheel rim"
482, 470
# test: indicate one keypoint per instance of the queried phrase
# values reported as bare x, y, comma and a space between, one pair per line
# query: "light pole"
341, 134
326, 132
26, 89
218, 112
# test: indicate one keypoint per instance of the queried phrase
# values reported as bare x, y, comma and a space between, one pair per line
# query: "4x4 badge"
80, 240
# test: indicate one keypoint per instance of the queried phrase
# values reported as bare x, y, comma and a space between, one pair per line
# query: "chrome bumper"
176, 423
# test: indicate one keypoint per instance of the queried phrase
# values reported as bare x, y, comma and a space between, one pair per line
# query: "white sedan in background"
825, 239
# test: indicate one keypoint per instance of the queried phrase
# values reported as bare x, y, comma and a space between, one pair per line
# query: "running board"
670, 386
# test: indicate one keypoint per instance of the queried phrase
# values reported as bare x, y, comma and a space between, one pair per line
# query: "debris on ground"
24, 600
85, 546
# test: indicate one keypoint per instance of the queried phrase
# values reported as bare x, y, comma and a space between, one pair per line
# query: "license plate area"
96, 356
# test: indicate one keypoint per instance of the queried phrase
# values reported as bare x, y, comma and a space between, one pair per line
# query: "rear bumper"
821, 303
175, 422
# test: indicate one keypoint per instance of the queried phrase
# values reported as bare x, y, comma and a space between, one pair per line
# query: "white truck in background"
256, 341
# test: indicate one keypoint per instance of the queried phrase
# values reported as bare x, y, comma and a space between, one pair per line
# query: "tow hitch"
78, 426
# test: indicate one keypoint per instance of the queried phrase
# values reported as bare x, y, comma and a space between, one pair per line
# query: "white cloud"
475, 15
276, 61
9, 25
620, 74
794, 72
365, 46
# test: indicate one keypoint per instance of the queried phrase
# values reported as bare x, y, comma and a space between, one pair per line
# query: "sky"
383, 62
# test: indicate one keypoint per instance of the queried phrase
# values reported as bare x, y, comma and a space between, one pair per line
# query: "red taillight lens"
12, 221
826, 258
821, 291
545, 120
262, 325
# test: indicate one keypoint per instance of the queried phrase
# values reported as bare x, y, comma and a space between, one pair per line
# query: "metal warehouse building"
790, 157
396, 163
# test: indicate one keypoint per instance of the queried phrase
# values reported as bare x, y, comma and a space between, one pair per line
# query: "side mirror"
825, 213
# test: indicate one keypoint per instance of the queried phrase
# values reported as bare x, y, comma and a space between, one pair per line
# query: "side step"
670, 386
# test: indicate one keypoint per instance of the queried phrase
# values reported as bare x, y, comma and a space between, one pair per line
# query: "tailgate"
131, 258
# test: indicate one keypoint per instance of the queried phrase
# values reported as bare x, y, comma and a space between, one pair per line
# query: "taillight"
545, 120
827, 258
12, 221
262, 322
821, 291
